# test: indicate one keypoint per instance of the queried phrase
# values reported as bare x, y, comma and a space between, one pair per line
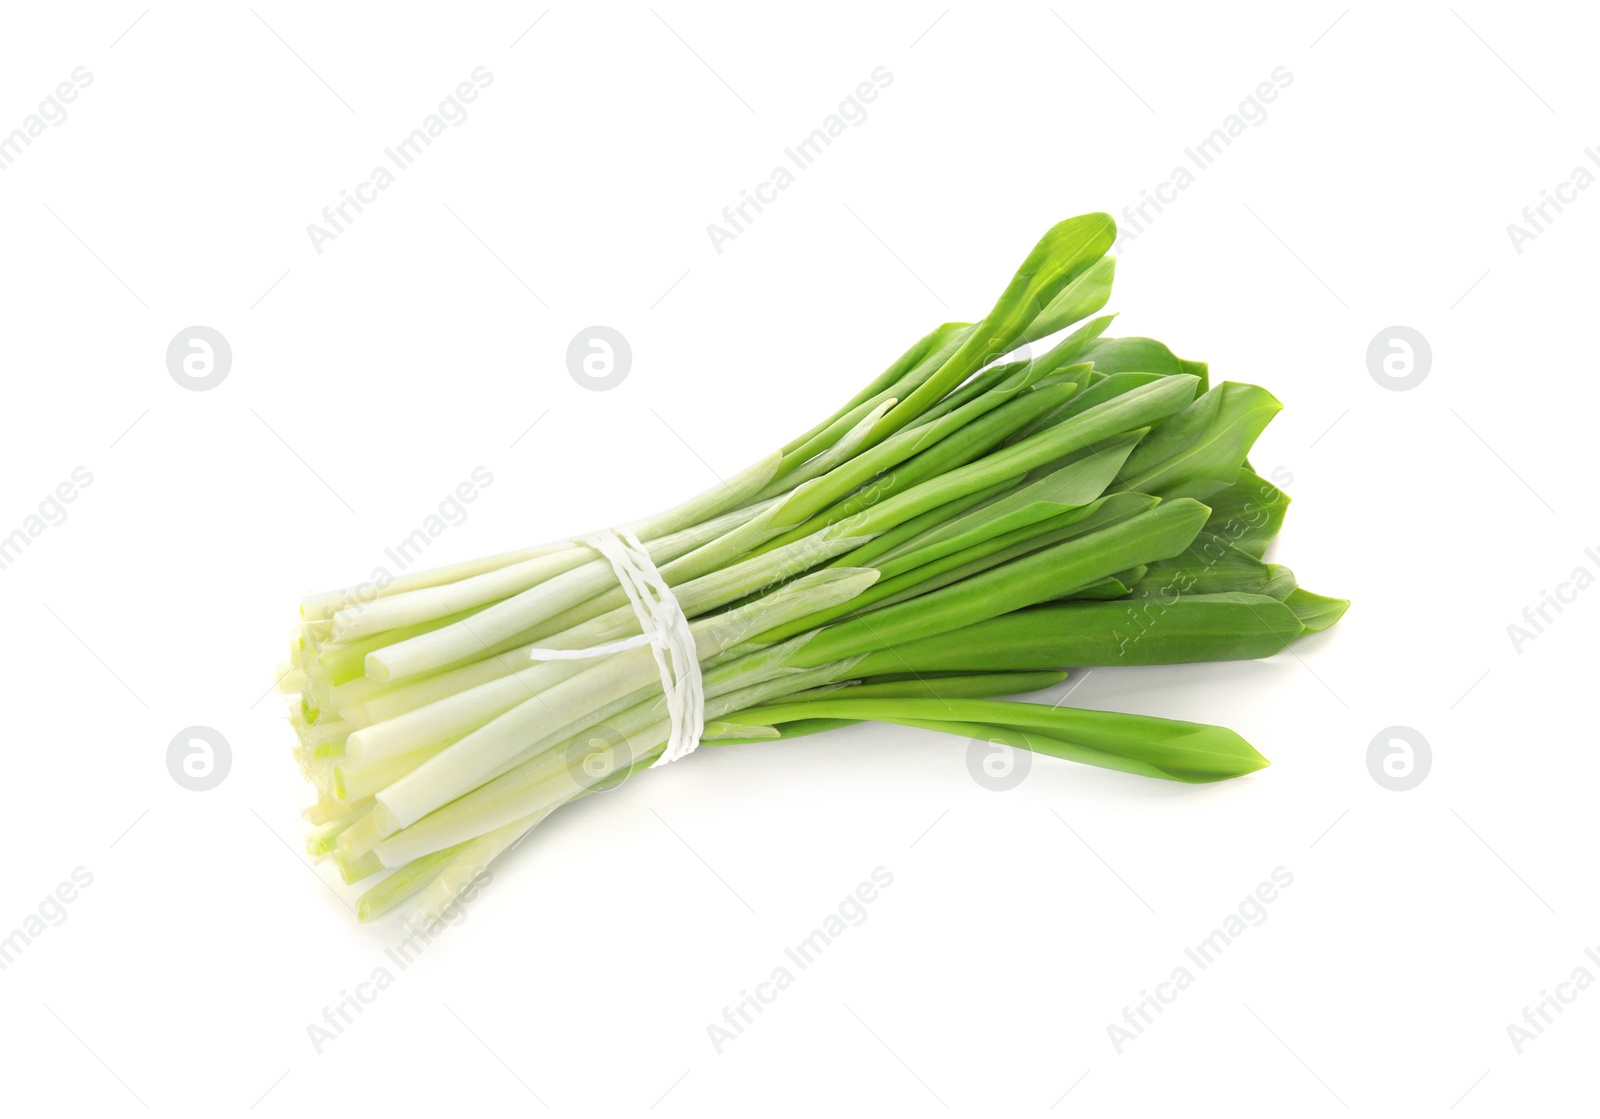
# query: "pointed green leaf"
1077, 301
1248, 514
1062, 255
1199, 451
1316, 612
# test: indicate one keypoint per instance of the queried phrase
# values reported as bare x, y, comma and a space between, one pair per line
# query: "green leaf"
1144, 355
889, 501
1198, 369
1143, 744
1069, 487
1213, 566
800, 728
913, 456
1078, 300
1134, 355
1063, 254
993, 553
1138, 631
1162, 532
1316, 612
1226, 554
964, 685
1071, 348
1199, 451
1248, 514
1090, 395
1119, 585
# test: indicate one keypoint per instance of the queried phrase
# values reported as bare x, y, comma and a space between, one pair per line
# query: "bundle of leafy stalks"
989, 511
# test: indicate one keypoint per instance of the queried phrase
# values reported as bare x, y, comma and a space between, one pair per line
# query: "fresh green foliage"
971, 524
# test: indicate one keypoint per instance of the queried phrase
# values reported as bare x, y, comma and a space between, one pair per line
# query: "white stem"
326, 603
505, 620
432, 904
534, 722
459, 713
357, 782
548, 779
389, 701
429, 603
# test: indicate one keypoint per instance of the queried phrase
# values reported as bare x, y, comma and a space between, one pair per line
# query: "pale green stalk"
464, 711
470, 760
549, 779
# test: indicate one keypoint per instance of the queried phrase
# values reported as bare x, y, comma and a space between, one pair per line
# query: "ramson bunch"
971, 524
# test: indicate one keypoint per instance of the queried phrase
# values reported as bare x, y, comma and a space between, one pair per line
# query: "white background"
370, 379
